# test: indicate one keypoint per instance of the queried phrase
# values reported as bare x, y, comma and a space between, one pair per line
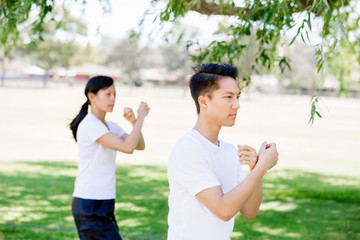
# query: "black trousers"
95, 219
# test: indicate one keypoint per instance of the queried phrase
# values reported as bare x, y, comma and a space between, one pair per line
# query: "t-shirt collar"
210, 144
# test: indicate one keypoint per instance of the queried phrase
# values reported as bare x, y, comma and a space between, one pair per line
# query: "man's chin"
229, 124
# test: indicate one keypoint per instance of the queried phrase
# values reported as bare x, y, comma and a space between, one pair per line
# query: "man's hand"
247, 156
268, 155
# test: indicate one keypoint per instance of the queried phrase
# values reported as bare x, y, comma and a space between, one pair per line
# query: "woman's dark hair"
93, 86
205, 78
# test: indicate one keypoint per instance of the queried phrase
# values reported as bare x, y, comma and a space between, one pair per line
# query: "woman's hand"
247, 156
129, 115
143, 110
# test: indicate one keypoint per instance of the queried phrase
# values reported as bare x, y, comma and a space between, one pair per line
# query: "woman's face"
104, 99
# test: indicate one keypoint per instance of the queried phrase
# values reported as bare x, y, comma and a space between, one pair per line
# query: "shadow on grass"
35, 200
305, 205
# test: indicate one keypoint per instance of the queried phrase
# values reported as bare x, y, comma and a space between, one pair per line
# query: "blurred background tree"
270, 20
254, 35
58, 46
127, 56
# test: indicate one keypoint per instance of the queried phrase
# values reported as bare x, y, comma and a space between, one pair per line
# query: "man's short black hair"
204, 81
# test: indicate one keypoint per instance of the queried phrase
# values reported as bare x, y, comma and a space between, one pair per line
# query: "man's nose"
236, 105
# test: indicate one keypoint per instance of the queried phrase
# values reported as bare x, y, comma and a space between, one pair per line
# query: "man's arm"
225, 206
248, 156
251, 207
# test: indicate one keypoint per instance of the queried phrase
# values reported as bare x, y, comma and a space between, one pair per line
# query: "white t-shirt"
196, 164
96, 167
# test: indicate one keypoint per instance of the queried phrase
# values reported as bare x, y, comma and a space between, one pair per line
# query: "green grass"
35, 200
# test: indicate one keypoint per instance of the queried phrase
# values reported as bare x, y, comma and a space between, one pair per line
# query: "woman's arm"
129, 142
141, 143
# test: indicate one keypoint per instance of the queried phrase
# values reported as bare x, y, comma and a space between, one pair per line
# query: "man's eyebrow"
232, 93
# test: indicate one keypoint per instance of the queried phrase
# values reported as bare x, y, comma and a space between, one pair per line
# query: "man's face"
223, 104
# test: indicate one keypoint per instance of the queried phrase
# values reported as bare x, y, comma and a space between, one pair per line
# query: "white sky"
126, 14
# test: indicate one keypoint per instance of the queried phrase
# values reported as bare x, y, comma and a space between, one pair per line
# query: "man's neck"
209, 130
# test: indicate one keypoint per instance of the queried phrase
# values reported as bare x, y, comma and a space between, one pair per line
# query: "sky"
126, 15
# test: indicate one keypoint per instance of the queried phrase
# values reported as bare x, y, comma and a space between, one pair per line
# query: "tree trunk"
45, 78
3, 72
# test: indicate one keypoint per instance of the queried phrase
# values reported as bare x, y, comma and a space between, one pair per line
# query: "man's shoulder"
185, 148
187, 141
227, 146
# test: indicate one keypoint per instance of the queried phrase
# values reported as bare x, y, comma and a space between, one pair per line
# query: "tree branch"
207, 7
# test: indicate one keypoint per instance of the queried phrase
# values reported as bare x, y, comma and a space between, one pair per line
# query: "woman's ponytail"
76, 121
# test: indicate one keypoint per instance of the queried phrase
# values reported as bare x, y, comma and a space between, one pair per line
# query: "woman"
98, 140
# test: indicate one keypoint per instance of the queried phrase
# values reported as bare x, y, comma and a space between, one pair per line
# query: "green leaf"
302, 37
326, 3
313, 111
299, 29
309, 20
307, 36
343, 34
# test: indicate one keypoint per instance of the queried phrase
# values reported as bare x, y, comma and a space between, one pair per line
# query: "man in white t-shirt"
207, 183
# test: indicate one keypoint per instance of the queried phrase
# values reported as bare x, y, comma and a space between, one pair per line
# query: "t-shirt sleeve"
241, 175
116, 129
190, 169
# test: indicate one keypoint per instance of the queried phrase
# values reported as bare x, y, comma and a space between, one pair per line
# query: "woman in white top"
98, 140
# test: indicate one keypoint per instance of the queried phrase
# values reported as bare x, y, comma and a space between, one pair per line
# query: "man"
207, 183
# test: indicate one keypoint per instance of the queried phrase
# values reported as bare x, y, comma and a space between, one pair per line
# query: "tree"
6, 53
126, 55
52, 51
271, 19
17, 14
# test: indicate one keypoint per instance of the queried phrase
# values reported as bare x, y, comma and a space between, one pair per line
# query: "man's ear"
203, 100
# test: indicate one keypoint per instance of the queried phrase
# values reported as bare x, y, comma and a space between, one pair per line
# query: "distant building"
87, 71
162, 76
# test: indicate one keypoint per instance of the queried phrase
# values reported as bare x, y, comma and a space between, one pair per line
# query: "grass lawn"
35, 200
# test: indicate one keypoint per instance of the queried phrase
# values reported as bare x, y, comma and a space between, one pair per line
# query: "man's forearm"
252, 205
249, 189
